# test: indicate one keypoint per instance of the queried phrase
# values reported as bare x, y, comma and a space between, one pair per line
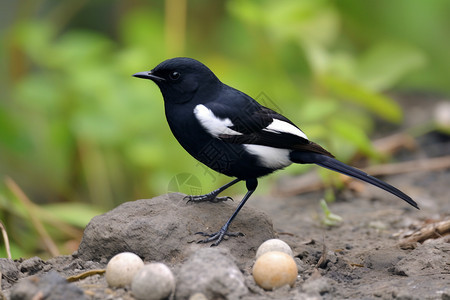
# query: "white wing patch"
274, 158
214, 125
278, 126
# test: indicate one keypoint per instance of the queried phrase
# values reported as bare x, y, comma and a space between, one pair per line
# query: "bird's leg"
212, 197
218, 236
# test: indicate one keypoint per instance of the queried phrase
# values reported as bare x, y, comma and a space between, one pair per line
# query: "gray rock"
301, 266
211, 272
32, 265
404, 294
163, 229
317, 286
429, 257
445, 294
9, 271
50, 286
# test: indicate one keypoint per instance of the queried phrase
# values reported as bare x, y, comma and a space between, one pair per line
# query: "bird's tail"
304, 157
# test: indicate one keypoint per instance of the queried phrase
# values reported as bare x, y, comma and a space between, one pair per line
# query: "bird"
231, 133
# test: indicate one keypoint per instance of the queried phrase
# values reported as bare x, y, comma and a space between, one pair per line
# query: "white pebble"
153, 282
274, 245
442, 114
122, 268
275, 269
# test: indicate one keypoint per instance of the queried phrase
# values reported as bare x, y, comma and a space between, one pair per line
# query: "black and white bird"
233, 134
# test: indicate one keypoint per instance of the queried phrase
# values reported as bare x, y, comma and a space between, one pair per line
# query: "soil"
357, 258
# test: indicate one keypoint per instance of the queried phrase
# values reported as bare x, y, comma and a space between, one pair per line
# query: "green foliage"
77, 131
329, 218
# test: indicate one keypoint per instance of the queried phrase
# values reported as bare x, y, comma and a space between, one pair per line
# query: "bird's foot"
218, 236
211, 197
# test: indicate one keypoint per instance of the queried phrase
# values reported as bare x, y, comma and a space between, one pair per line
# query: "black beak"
149, 75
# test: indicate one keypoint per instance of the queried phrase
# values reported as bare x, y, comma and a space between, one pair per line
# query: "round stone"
122, 268
274, 245
274, 269
153, 282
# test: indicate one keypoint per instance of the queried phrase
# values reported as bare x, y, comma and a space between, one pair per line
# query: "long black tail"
335, 165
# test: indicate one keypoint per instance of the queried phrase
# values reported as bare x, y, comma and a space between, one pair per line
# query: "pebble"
274, 245
212, 272
153, 282
122, 268
275, 269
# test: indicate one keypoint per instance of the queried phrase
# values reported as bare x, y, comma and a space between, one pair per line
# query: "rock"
445, 294
301, 266
404, 294
31, 266
50, 286
9, 271
428, 257
211, 272
163, 229
317, 286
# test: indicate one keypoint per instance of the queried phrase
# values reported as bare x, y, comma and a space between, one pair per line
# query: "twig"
17, 191
395, 142
421, 165
323, 258
430, 231
5, 238
85, 274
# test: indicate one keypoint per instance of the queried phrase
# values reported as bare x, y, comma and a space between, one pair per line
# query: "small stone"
446, 294
273, 245
198, 296
153, 282
31, 266
301, 266
275, 269
332, 257
212, 272
403, 295
317, 286
11, 272
122, 268
50, 286
442, 114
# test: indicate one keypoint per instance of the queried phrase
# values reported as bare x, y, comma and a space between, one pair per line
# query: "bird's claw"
217, 237
208, 197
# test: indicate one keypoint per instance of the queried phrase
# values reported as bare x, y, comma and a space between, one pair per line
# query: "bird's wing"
253, 124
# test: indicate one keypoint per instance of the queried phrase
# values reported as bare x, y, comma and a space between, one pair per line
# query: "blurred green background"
79, 135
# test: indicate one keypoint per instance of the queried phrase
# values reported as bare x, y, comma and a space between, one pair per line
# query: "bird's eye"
174, 75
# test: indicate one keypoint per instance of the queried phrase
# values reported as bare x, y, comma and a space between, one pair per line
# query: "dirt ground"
370, 264
361, 257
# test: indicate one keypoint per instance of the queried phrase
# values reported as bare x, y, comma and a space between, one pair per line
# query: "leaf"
317, 109
248, 11
386, 63
77, 214
383, 106
353, 134
329, 219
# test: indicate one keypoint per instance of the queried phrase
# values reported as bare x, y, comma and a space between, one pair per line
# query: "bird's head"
179, 79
